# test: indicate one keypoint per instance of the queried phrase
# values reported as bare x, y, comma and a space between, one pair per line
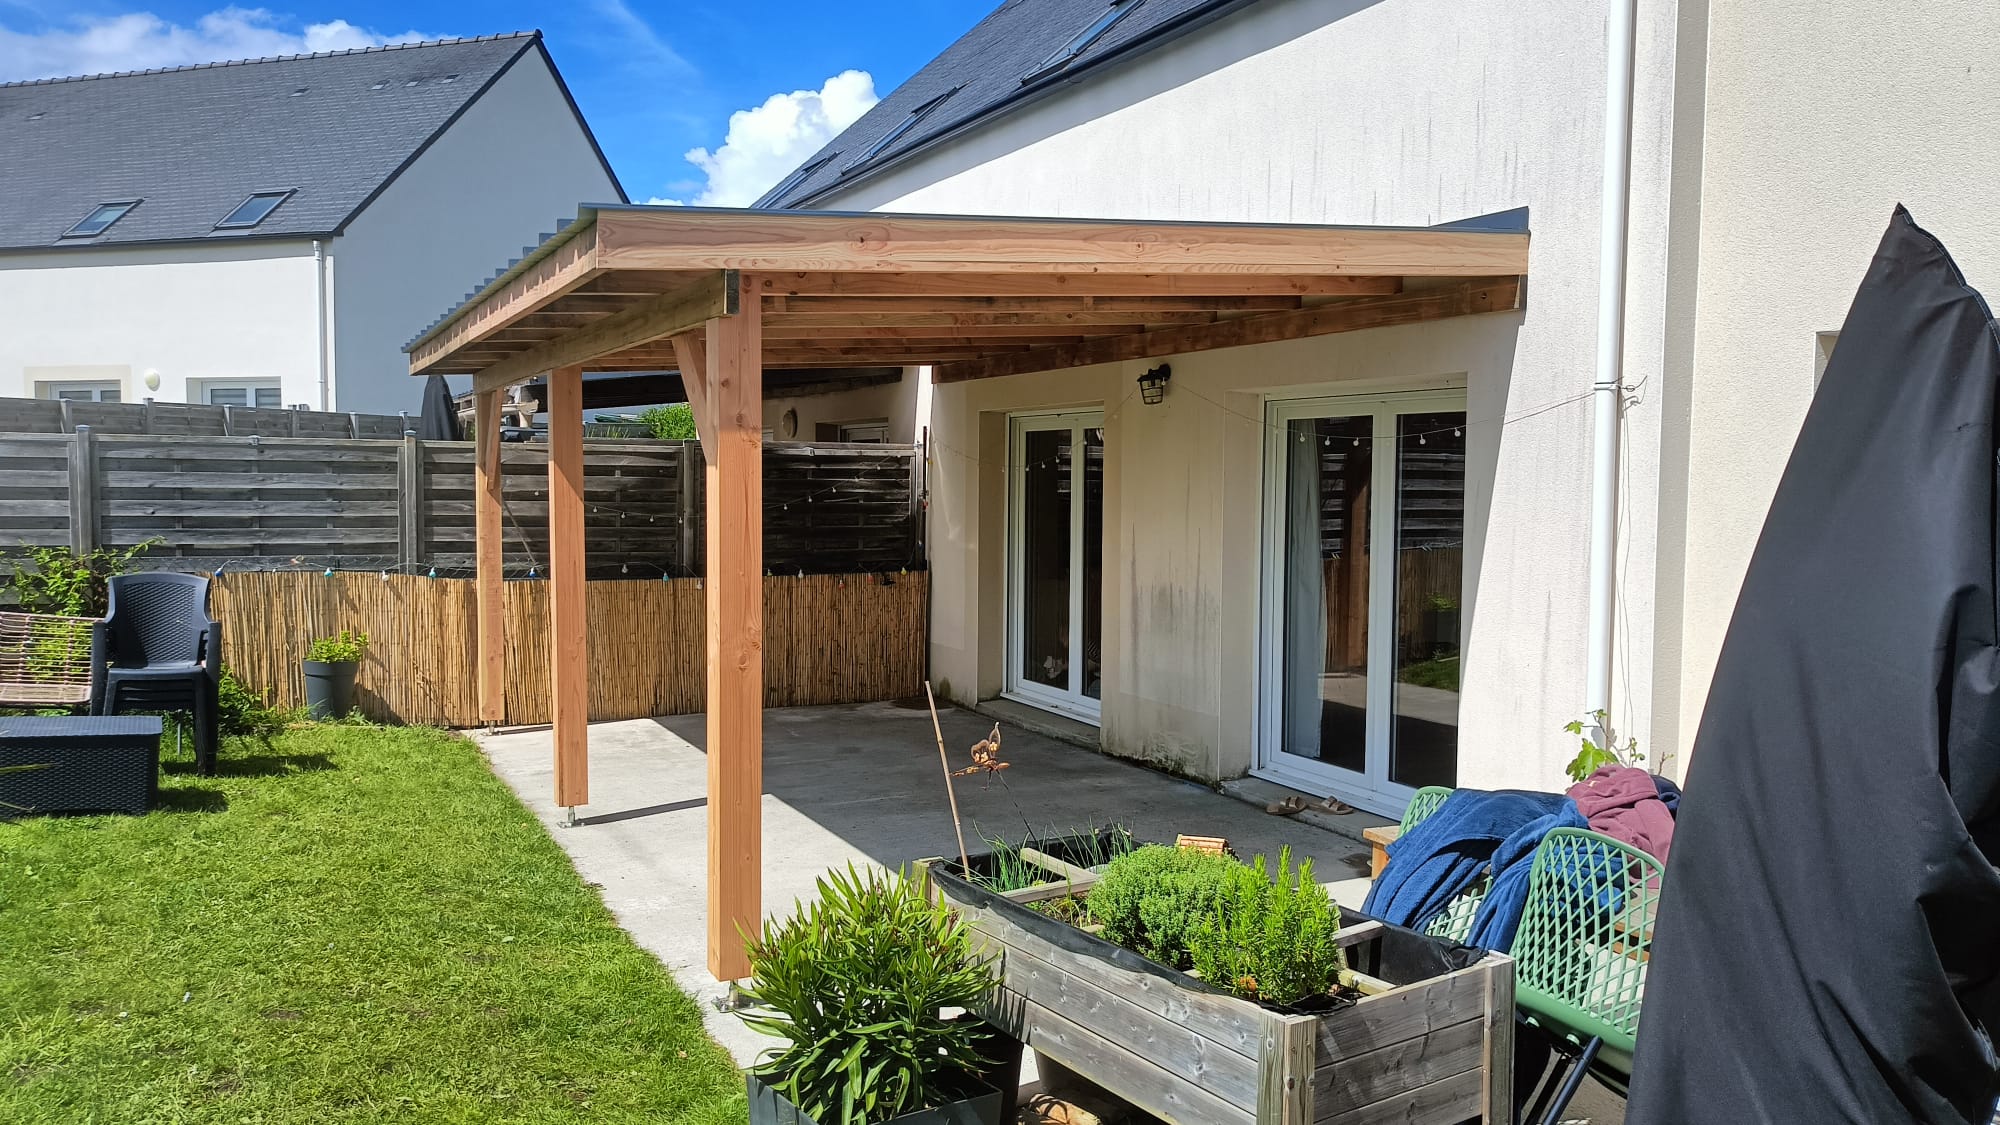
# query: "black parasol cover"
439, 421
1828, 943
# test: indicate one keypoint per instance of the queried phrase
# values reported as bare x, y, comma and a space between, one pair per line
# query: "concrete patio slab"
857, 783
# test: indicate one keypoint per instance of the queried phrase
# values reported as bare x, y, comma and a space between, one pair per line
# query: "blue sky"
656, 80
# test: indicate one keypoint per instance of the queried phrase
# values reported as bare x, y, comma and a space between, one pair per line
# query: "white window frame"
1075, 705
1371, 789
49, 388
878, 426
204, 388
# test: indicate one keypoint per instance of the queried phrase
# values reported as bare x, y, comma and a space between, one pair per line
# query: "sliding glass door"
1363, 546
1055, 562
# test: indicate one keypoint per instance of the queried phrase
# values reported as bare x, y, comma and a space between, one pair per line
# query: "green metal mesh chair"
1455, 921
1580, 955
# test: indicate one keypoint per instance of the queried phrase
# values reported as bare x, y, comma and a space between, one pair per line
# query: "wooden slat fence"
827, 639
45, 416
407, 505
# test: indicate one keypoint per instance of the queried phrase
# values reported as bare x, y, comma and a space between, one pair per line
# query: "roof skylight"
100, 218
1064, 54
795, 178
253, 210
902, 129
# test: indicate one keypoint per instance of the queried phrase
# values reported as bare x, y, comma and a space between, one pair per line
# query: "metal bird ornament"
985, 755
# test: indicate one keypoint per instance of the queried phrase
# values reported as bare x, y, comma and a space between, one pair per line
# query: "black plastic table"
84, 764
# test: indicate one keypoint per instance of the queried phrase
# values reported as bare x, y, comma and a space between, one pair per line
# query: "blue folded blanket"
1471, 832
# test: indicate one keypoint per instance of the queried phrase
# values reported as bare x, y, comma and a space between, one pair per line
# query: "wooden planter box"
1431, 1043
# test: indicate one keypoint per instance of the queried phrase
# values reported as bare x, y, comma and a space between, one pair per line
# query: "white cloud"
770, 140
143, 41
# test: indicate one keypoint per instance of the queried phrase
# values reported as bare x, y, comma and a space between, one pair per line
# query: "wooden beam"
646, 319
1075, 285
1456, 299
567, 267
1073, 319
1044, 304
487, 497
569, 684
735, 588
691, 357
996, 332
759, 241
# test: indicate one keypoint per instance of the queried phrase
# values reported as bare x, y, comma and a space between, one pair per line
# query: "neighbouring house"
1205, 578
269, 232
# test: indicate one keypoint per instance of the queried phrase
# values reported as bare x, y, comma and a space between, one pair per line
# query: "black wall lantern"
1153, 384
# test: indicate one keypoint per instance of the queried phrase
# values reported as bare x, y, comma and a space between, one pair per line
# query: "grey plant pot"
769, 1107
329, 687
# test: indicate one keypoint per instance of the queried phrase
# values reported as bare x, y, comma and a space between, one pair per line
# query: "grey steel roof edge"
415, 154
222, 237
1028, 94
220, 63
586, 215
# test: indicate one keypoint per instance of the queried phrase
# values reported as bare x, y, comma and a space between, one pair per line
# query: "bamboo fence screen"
828, 638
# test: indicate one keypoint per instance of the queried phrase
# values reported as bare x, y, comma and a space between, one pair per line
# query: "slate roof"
987, 66
194, 142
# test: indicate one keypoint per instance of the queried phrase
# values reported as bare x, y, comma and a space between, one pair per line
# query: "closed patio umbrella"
1828, 943
440, 417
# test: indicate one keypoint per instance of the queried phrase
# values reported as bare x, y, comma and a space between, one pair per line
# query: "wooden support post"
82, 491
734, 398
488, 559
569, 686
409, 500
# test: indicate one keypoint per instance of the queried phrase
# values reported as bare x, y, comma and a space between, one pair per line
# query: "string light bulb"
328, 573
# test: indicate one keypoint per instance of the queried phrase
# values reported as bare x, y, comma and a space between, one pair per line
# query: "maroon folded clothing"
1623, 803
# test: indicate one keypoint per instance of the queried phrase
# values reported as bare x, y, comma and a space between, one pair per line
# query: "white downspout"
1620, 44
319, 276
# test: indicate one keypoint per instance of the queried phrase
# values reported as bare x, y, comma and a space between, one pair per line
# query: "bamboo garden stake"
963, 862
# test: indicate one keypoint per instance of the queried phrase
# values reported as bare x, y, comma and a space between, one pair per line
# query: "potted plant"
1204, 991
866, 986
329, 667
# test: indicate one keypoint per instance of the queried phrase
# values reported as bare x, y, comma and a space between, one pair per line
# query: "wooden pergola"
720, 295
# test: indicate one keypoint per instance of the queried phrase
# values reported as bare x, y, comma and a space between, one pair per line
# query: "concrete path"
858, 783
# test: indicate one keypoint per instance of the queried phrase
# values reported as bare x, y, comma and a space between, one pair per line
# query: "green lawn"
352, 925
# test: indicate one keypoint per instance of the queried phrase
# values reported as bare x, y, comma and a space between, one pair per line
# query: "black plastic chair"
159, 650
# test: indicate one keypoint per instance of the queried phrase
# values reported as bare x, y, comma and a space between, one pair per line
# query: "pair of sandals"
1293, 806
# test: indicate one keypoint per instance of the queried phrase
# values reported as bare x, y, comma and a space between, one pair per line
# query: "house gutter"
1608, 392
320, 287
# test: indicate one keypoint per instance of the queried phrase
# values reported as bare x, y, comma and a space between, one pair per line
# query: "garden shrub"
1153, 899
1271, 940
53, 580
855, 983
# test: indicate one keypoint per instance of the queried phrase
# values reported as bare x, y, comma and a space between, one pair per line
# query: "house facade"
270, 232
1205, 576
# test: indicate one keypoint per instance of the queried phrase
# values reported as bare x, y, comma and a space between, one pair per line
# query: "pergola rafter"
722, 295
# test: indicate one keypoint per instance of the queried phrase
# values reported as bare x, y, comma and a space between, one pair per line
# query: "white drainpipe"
319, 275
1609, 389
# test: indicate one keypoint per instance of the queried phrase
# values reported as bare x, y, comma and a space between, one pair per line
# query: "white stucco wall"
1821, 116
901, 404
504, 174
1406, 112
188, 312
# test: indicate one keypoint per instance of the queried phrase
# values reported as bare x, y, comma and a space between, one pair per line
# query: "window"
78, 391
1083, 39
100, 219
874, 431
241, 393
253, 210
902, 128
797, 177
